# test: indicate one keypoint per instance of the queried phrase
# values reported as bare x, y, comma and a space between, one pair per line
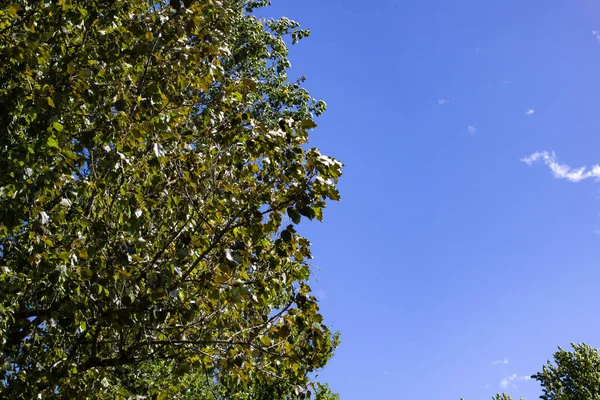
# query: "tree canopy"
574, 375
155, 162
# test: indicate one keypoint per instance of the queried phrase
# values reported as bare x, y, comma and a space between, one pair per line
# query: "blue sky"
452, 267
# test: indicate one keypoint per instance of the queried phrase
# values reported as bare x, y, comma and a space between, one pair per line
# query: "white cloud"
530, 111
510, 380
596, 35
505, 362
471, 129
562, 171
446, 100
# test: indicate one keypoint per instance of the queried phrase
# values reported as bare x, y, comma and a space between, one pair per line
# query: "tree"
502, 396
157, 380
154, 165
576, 375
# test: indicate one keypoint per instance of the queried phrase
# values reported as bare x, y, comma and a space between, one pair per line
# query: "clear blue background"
447, 252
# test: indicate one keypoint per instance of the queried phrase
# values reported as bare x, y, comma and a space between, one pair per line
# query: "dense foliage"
154, 164
575, 375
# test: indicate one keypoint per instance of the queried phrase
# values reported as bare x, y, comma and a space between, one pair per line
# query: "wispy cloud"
504, 383
505, 362
562, 171
477, 49
471, 129
596, 35
531, 111
446, 100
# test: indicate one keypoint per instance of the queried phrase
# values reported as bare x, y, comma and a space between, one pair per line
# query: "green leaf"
86, 273
83, 253
294, 215
307, 211
308, 124
266, 340
52, 142
286, 235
